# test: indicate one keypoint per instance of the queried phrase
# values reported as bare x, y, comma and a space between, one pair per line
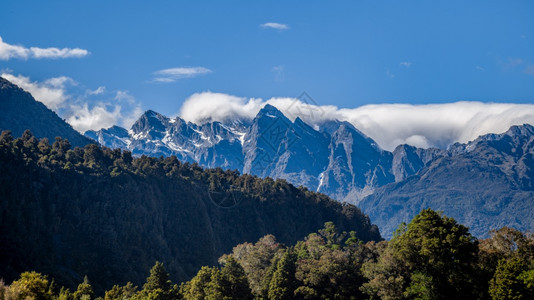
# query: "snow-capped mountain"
337, 159
477, 182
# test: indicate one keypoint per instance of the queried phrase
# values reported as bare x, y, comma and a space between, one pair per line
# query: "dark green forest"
432, 257
70, 212
102, 224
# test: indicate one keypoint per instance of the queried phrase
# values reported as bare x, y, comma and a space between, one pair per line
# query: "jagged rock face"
113, 137
408, 160
211, 144
20, 111
338, 159
356, 164
279, 148
485, 184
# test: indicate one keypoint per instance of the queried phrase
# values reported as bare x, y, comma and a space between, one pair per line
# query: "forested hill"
99, 212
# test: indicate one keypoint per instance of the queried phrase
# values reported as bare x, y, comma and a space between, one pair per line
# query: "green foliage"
64, 209
234, 281
211, 283
512, 280
158, 286
256, 260
283, 282
324, 266
201, 286
121, 292
84, 291
331, 235
433, 257
110, 209
31, 285
158, 279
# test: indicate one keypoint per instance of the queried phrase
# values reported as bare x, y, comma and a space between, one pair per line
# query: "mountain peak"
151, 113
521, 130
150, 121
269, 110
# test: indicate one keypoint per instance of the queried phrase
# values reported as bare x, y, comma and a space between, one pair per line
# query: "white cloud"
131, 108
100, 90
439, 124
122, 110
99, 116
405, 64
83, 109
208, 106
124, 96
430, 125
273, 25
8, 51
481, 69
173, 74
50, 92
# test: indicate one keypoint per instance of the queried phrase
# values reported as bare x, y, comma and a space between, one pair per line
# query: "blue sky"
343, 53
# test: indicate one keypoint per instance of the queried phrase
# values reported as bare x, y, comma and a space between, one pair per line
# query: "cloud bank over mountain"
429, 125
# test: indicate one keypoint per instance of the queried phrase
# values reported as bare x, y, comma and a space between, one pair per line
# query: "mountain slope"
337, 160
20, 111
486, 184
356, 164
481, 183
62, 210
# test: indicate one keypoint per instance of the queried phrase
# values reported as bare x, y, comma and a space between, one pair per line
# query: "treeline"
432, 257
70, 212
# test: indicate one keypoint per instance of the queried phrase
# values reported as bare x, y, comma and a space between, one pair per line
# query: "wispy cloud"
390, 74
512, 63
481, 69
8, 51
273, 25
173, 74
278, 73
405, 64
98, 91
530, 70
430, 125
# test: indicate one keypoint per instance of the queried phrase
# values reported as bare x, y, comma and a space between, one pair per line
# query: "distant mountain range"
487, 183
337, 159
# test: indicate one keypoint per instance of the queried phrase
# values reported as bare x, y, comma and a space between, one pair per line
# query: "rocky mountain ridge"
339, 160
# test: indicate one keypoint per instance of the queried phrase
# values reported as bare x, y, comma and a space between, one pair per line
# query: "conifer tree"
84, 291
283, 282
234, 281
